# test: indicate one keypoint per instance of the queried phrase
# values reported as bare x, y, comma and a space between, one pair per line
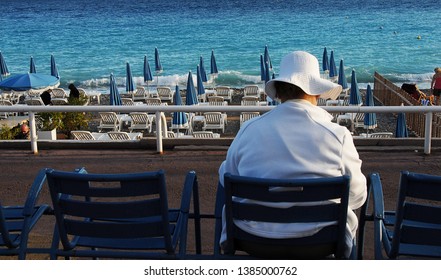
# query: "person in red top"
436, 85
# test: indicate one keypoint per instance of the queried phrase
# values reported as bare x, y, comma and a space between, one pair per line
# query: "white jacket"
295, 140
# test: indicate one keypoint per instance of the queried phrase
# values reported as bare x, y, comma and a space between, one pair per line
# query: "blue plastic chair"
16, 222
294, 190
414, 228
120, 215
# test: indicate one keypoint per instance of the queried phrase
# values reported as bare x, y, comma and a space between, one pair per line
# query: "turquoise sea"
92, 39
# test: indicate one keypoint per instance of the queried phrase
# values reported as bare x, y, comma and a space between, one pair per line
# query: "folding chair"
300, 192
16, 222
120, 215
414, 228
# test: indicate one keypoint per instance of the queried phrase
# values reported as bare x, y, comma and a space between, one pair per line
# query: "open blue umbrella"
370, 119
32, 66
213, 67
332, 67
179, 118
130, 85
158, 65
267, 58
3, 67
115, 98
54, 69
201, 88
325, 60
401, 129
342, 77
190, 96
354, 96
28, 81
202, 69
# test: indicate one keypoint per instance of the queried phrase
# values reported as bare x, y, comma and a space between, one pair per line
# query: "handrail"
158, 110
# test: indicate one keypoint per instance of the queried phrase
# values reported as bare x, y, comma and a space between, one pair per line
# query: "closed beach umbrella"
325, 60
262, 68
3, 67
28, 81
213, 67
267, 58
130, 85
401, 128
332, 67
179, 118
32, 66
147, 72
370, 119
267, 72
158, 65
54, 69
342, 77
115, 98
190, 96
354, 96
202, 69
201, 88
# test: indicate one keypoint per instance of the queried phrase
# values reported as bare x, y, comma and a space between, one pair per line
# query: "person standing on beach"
74, 92
299, 140
435, 86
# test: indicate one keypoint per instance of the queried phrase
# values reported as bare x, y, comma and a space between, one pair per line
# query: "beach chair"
153, 101
330, 240
59, 93
34, 101
251, 90
414, 228
165, 93
59, 101
85, 135
16, 222
139, 94
127, 102
123, 136
5, 115
250, 101
224, 92
381, 135
245, 116
123, 216
109, 120
140, 121
213, 120
203, 134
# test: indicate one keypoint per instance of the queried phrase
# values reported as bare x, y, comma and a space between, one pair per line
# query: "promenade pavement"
19, 167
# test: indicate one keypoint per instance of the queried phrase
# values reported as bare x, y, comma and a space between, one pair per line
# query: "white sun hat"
302, 69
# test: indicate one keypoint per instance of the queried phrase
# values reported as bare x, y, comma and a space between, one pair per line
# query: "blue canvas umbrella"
158, 65
401, 129
54, 69
201, 88
32, 66
370, 119
325, 60
28, 81
354, 96
267, 72
267, 58
3, 67
147, 72
262, 68
130, 85
213, 67
190, 97
115, 98
342, 77
332, 67
202, 69
179, 118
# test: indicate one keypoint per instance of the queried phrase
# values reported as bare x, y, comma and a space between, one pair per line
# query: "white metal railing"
158, 110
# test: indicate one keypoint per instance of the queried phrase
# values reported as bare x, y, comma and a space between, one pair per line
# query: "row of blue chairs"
127, 216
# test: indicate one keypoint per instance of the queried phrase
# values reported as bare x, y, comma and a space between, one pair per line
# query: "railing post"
428, 133
159, 148
33, 129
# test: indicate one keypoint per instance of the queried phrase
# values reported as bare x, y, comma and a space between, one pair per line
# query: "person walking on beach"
435, 86
300, 141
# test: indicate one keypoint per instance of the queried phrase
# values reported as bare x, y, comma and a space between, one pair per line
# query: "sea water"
92, 39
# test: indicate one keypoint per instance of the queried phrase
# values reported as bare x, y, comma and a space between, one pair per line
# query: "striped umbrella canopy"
199, 79
130, 85
213, 67
202, 69
370, 119
332, 67
267, 58
158, 65
190, 96
341, 76
3, 67
179, 118
325, 60
401, 128
54, 69
354, 96
32, 66
115, 98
